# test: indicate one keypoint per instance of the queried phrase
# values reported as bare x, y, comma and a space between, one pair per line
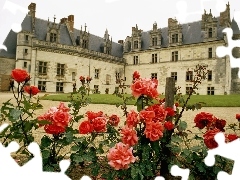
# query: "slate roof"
191, 34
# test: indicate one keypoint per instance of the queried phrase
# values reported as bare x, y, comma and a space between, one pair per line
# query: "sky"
117, 16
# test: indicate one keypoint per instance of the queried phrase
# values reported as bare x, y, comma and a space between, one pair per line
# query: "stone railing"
76, 49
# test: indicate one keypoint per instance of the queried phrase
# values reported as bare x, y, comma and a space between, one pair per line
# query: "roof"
95, 42
11, 43
192, 34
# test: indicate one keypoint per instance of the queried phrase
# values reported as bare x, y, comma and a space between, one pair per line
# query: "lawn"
211, 101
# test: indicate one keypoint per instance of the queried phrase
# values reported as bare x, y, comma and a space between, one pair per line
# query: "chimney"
120, 41
63, 20
32, 9
71, 22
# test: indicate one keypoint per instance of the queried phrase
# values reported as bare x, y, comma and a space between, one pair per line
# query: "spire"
54, 18
85, 27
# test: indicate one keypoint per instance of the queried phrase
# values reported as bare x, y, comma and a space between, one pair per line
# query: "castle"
57, 54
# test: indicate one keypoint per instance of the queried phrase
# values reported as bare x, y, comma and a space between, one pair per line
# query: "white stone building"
57, 54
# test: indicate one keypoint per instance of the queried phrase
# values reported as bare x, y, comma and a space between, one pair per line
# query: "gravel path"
227, 113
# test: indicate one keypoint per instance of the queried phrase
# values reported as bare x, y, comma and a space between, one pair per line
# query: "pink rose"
120, 156
129, 136
154, 131
132, 119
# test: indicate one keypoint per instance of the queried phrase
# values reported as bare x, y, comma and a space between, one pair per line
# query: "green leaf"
74, 148
46, 141
176, 139
182, 126
45, 154
200, 167
15, 114
139, 104
69, 136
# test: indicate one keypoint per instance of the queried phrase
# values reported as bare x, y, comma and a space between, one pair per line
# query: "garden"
145, 142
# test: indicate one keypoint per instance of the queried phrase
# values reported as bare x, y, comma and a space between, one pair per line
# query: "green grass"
211, 101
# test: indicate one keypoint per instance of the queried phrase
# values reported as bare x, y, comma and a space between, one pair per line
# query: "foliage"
152, 139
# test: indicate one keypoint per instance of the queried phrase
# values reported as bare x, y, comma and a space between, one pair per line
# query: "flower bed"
151, 140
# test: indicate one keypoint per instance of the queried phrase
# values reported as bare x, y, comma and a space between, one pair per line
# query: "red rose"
20, 75
232, 137
132, 119
146, 87
169, 125
129, 136
176, 104
160, 112
114, 120
32, 90
136, 75
53, 129
238, 116
85, 127
99, 124
204, 119
61, 118
209, 138
146, 115
170, 111
220, 124
154, 131
92, 115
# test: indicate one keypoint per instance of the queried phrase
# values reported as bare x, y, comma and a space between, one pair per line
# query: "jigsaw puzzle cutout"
228, 150
8, 165
223, 51
35, 164
11, 16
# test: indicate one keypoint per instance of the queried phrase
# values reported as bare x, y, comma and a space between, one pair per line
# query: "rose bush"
152, 139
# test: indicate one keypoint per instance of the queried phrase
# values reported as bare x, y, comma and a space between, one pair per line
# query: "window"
25, 64
188, 89
73, 76
84, 43
96, 73
117, 75
210, 90
209, 75
174, 38
42, 68
42, 86
135, 59
209, 52
175, 56
25, 51
154, 75
26, 37
108, 78
210, 32
96, 90
107, 50
154, 41
59, 87
189, 75
174, 75
53, 37
116, 90
60, 69
154, 58
135, 44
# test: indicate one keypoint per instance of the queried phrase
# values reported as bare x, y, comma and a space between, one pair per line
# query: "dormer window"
53, 37
210, 32
174, 38
154, 41
84, 43
135, 44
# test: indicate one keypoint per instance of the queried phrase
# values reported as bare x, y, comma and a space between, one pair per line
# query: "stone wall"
7, 65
